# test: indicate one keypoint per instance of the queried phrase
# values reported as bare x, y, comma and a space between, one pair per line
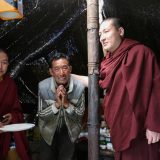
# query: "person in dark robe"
10, 113
130, 78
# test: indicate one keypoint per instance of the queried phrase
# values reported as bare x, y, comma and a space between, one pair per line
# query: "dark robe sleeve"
153, 118
17, 117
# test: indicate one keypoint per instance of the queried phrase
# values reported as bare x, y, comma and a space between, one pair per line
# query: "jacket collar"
54, 85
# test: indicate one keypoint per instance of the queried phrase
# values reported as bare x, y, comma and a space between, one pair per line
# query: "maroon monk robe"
131, 78
9, 103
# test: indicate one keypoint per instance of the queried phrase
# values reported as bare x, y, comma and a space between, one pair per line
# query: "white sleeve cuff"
70, 108
54, 108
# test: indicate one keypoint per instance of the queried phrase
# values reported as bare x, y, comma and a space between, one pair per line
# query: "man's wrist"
66, 105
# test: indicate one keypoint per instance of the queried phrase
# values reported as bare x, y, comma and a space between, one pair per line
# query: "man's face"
3, 64
110, 36
61, 71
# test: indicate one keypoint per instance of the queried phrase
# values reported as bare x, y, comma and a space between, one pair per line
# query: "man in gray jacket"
60, 109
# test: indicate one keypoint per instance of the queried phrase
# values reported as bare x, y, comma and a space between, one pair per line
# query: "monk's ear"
121, 31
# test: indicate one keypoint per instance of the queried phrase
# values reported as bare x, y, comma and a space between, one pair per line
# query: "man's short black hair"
57, 56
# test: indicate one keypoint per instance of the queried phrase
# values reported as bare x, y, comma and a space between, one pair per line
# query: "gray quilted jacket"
49, 115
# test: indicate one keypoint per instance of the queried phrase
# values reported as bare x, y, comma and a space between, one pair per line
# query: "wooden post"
93, 73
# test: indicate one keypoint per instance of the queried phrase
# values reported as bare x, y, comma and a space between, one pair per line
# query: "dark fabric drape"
132, 100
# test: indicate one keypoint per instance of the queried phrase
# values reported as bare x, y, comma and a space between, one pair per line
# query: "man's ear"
70, 68
50, 71
121, 31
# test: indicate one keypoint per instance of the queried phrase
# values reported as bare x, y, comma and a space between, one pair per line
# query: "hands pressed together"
152, 136
61, 97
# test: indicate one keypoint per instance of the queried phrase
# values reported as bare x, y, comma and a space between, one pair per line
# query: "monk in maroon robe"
130, 77
10, 112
